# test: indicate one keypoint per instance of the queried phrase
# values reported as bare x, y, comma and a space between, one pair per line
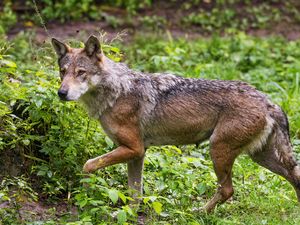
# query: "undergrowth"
55, 138
200, 16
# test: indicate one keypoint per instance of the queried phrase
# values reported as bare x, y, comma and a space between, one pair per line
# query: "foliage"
8, 18
57, 137
35, 119
202, 16
75, 10
248, 16
153, 22
67, 10
131, 5
14, 191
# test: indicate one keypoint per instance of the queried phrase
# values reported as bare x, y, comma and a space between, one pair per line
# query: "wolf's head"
80, 68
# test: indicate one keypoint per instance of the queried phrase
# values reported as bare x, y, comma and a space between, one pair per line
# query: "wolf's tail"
277, 154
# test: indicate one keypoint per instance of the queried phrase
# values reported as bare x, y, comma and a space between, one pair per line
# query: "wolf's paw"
89, 166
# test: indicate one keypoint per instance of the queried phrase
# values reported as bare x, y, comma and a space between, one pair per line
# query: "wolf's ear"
60, 48
92, 46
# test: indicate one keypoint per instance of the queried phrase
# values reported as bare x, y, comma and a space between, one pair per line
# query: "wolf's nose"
62, 94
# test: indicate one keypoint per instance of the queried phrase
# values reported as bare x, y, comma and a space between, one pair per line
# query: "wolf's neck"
116, 76
115, 80
98, 100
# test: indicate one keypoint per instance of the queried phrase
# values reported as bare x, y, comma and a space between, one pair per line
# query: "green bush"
46, 128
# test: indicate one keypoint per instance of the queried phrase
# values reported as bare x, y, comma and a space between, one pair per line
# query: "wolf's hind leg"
223, 158
277, 156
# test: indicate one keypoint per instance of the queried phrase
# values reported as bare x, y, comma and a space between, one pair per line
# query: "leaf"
41, 173
122, 196
128, 210
152, 198
94, 210
39, 102
49, 174
83, 203
178, 150
26, 142
157, 206
96, 202
121, 217
113, 195
262, 176
86, 219
146, 199
109, 142
201, 189
85, 180
8, 63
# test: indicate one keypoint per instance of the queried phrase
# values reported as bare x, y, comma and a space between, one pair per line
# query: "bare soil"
29, 210
78, 29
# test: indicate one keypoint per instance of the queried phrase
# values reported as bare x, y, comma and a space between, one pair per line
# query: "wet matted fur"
138, 110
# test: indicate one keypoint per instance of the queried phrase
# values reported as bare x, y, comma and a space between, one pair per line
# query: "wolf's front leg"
119, 155
135, 175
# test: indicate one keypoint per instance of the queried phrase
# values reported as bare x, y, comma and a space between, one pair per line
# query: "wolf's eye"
62, 71
80, 72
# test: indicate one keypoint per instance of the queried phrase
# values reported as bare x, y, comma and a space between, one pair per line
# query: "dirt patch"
283, 29
79, 30
28, 210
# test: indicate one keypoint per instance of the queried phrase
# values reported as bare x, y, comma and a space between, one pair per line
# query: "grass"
58, 137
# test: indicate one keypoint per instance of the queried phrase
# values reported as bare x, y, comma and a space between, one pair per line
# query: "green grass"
58, 137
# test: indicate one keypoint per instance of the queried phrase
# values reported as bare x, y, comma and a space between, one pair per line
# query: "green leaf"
157, 206
26, 142
8, 63
83, 203
109, 142
49, 174
113, 195
86, 219
201, 189
85, 180
121, 217
41, 173
96, 202
122, 196
146, 200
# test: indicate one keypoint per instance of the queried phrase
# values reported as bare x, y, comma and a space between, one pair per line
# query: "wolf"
138, 110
